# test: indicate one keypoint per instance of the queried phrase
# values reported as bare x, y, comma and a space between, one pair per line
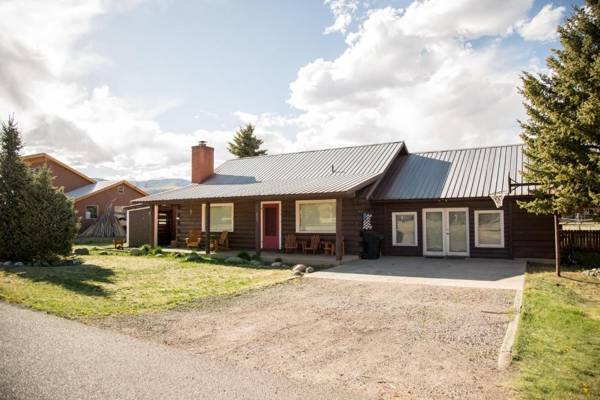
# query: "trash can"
371, 245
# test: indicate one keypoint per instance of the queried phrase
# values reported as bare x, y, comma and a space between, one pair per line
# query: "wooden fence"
580, 240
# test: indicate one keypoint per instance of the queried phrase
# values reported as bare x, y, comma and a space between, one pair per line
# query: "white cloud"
343, 11
543, 25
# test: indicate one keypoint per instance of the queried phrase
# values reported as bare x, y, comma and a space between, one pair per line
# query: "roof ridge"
316, 150
468, 148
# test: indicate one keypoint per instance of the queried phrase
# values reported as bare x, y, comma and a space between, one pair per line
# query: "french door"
446, 232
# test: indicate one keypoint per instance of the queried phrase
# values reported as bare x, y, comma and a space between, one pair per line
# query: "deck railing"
580, 240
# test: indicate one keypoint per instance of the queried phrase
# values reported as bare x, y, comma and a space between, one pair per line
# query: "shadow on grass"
82, 279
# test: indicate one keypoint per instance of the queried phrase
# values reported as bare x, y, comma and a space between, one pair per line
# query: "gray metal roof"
465, 173
302, 173
89, 189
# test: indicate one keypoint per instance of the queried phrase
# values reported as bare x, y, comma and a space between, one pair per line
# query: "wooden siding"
139, 226
244, 229
580, 240
533, 235
103, 199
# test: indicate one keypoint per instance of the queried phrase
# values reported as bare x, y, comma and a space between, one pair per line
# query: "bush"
155, 250
244, 255
256, 257
587, 259
278, 259
145, 249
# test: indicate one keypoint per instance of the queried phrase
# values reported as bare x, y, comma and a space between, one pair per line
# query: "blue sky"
123, 88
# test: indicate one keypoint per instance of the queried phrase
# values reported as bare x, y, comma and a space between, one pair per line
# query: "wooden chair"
193, 240
313, 244
220, 243
119, 243
291, 244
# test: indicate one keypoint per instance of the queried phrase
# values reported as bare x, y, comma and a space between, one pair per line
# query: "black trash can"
371, 245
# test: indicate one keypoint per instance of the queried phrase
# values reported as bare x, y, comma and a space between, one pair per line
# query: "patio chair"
291, 243
193, 240
220, 243
313, 244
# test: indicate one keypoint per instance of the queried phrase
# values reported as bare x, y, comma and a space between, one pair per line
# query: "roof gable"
98, 187
48, 159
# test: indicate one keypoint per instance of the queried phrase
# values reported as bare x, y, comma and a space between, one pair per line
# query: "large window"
221, 217
489, 228
91, 212
315, 216
404, 228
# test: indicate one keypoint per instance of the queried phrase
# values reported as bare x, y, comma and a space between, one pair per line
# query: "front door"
270, 226
446, 232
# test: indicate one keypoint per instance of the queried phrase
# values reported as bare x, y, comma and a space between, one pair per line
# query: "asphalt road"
45, 357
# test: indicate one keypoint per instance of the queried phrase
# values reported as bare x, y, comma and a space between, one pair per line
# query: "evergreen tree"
55, 217
16, 219
245, 143
562, 134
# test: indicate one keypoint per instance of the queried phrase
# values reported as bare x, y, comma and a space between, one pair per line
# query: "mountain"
160, 185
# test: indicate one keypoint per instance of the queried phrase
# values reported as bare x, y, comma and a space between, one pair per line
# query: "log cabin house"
424, 204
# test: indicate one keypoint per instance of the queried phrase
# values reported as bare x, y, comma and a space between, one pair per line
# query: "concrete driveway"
468, 272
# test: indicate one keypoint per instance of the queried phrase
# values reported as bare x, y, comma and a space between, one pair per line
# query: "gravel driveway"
379, 340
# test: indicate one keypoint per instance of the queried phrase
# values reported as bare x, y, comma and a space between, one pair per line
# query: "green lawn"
557, 352
121, 284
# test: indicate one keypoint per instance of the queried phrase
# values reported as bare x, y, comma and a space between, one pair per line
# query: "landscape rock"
277, 264
82, 251
18, 264
256, 263
298, 273
159, 255
299, 268
76, 262
7, 263
234, 260
135, 252
310, 270
193, 257
177, 255
594, 272
103, 253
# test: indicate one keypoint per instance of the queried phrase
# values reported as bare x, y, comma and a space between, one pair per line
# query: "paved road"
45, 357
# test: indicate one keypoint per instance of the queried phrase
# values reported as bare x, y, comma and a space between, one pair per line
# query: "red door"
270, 226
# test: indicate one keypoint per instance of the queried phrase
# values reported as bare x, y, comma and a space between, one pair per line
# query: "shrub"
278, 259
155, 250
244, 255
256, 257
145, 249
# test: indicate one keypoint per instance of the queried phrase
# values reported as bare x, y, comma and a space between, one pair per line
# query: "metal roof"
89, 189
325, 171
465, 173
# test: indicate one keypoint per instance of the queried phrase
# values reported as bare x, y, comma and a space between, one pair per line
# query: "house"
91, 198
424, 204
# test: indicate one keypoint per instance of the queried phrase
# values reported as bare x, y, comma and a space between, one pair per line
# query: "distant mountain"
160, 185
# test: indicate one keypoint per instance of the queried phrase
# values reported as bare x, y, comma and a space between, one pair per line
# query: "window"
315, 216
404, 228
221, 217
121, 189
91, 212
489, 229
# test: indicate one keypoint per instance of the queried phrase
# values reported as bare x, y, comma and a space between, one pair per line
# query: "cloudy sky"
122, 88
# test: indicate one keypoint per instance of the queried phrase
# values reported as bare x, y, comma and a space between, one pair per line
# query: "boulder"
7, 263
159, 255
277, 264
256, 263
18, 264
310, 270
76, 262
298, 273
81, 251
299, 268
135, 252
234, 260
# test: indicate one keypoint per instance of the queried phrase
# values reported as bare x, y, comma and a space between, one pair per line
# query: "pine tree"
16, 219
245, 143
55, 218
562, 134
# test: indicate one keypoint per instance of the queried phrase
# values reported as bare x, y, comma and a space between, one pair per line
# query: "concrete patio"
468, 272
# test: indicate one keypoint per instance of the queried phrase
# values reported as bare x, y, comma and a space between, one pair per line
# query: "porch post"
557, 244
339, 236
207, 228
155, 225
174, 222
257, 231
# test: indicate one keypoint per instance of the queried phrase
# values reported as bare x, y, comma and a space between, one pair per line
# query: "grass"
121, 284
557, 351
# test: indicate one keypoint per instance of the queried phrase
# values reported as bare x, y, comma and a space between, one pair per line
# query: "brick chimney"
203, 162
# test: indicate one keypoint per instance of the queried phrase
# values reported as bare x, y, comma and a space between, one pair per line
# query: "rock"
234, 260
135, 252
298, 273
159, 255
103, 253
76, 262
18, 264
277, 264
193, 257
594, 272
177, 255
310, 270
256, 263
299, 268
82, 251
7, 263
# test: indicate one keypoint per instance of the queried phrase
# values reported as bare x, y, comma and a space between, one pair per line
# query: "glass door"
446, 232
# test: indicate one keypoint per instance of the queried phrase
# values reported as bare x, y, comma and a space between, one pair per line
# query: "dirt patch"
380, 340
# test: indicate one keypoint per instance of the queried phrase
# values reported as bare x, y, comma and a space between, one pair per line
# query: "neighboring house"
434, 203
92, 198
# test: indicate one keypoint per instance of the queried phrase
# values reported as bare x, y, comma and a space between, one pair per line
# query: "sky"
123, 88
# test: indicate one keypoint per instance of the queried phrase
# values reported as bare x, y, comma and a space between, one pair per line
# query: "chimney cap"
202, 143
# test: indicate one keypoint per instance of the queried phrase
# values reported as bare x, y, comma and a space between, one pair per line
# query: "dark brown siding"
140, 227
533, 235
62, 176
244, 230
103, 199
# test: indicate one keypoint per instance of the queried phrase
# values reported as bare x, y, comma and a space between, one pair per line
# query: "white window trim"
394, 242
218, 204
261, 220
496, 246
85, 212
299, 202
